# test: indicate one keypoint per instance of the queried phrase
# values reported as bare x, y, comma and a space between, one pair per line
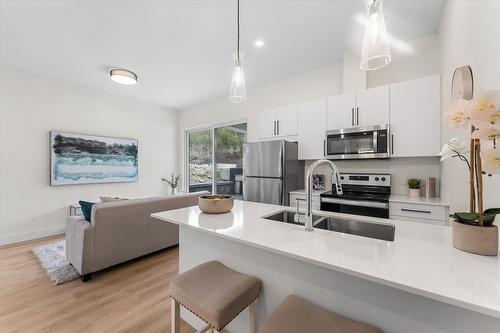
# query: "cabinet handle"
357, 115
416, 211
278, 127
324, 147
392, 143
274, 127
352, 117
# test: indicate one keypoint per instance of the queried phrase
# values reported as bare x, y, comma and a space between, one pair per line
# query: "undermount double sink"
348, 226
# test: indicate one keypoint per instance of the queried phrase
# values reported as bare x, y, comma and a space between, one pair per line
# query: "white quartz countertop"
435, 201
421, 260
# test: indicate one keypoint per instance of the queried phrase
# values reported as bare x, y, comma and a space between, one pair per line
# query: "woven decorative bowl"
215, 204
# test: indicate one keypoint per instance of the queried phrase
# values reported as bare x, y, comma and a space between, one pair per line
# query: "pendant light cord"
238, 24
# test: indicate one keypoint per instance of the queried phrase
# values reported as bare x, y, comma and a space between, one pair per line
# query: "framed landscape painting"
89, 159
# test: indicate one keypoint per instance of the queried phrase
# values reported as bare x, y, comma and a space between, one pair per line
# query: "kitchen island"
417, 283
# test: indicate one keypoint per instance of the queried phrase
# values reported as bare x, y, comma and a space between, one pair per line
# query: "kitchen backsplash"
400, 169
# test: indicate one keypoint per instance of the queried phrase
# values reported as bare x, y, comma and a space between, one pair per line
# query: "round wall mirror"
462, 84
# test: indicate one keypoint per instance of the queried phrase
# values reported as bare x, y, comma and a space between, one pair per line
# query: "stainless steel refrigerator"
271, 169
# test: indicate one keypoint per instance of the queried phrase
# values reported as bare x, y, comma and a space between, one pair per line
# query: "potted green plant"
474, 231
173, 182
413, 187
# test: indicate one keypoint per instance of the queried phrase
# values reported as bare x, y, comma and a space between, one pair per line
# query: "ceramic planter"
414, 192
475, 239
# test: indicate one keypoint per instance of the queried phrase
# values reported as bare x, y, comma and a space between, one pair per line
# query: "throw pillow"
86, 209
111, 199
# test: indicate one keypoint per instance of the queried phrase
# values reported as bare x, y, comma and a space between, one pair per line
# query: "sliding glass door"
215, 158
200, 161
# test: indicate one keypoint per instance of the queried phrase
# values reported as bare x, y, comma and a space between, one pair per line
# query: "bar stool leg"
253, 315
175, 316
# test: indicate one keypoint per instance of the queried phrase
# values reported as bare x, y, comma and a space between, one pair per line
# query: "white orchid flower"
452, 147
491, 160
486, 131
456, 115
485, 108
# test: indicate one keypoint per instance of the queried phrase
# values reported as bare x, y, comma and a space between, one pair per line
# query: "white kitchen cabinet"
368, 107
267, 124
287, 120
340, 111
311, 129
372, 107
416, 117
279, 122
418, 212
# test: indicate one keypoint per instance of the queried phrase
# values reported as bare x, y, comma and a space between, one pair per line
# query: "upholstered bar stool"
296, 315
214, 293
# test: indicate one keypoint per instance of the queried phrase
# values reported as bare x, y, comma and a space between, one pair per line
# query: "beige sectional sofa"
122, 230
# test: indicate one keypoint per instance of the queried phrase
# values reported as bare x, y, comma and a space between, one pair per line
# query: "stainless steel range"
363, 194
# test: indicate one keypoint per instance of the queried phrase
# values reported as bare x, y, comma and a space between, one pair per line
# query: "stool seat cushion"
214, 292
296, 315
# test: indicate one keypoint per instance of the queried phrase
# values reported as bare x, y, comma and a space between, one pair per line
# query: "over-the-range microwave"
358, 143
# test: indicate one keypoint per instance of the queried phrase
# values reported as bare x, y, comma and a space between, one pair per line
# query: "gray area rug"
52, 257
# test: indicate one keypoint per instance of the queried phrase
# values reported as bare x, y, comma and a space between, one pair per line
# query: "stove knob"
376, 179
383, 179
341, 177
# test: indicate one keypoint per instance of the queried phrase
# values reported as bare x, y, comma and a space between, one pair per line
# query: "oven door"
357, 143
355, 207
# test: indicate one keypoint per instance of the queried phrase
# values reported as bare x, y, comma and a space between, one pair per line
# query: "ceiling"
182, 50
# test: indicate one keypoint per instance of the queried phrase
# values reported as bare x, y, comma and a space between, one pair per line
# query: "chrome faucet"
308, 217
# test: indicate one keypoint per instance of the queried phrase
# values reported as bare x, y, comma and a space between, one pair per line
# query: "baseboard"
30, 235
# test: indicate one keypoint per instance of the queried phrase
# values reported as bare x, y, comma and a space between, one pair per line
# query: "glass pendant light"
238, 93
376, 52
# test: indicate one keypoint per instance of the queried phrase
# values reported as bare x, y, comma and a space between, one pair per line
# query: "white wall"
322, 82
353, 78
469, 35
31, 106
412, 60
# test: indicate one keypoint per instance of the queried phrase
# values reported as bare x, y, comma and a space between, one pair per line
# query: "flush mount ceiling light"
237, 92
376, 52
123, 76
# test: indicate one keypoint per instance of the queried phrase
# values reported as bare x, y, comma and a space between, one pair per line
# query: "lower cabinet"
301, 200
423, 213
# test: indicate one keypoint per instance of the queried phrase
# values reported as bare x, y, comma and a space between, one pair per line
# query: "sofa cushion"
86, 209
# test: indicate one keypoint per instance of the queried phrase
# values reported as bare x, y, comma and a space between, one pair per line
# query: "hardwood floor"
132, 297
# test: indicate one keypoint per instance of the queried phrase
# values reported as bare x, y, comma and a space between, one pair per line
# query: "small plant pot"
475, 239
414, 192
173, 191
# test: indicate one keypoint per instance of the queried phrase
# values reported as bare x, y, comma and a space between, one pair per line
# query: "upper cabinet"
372, 106
415, 117
368, 107
340, 111
280, 122
312, 127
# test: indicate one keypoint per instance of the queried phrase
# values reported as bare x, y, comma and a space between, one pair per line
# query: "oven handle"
356, 203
